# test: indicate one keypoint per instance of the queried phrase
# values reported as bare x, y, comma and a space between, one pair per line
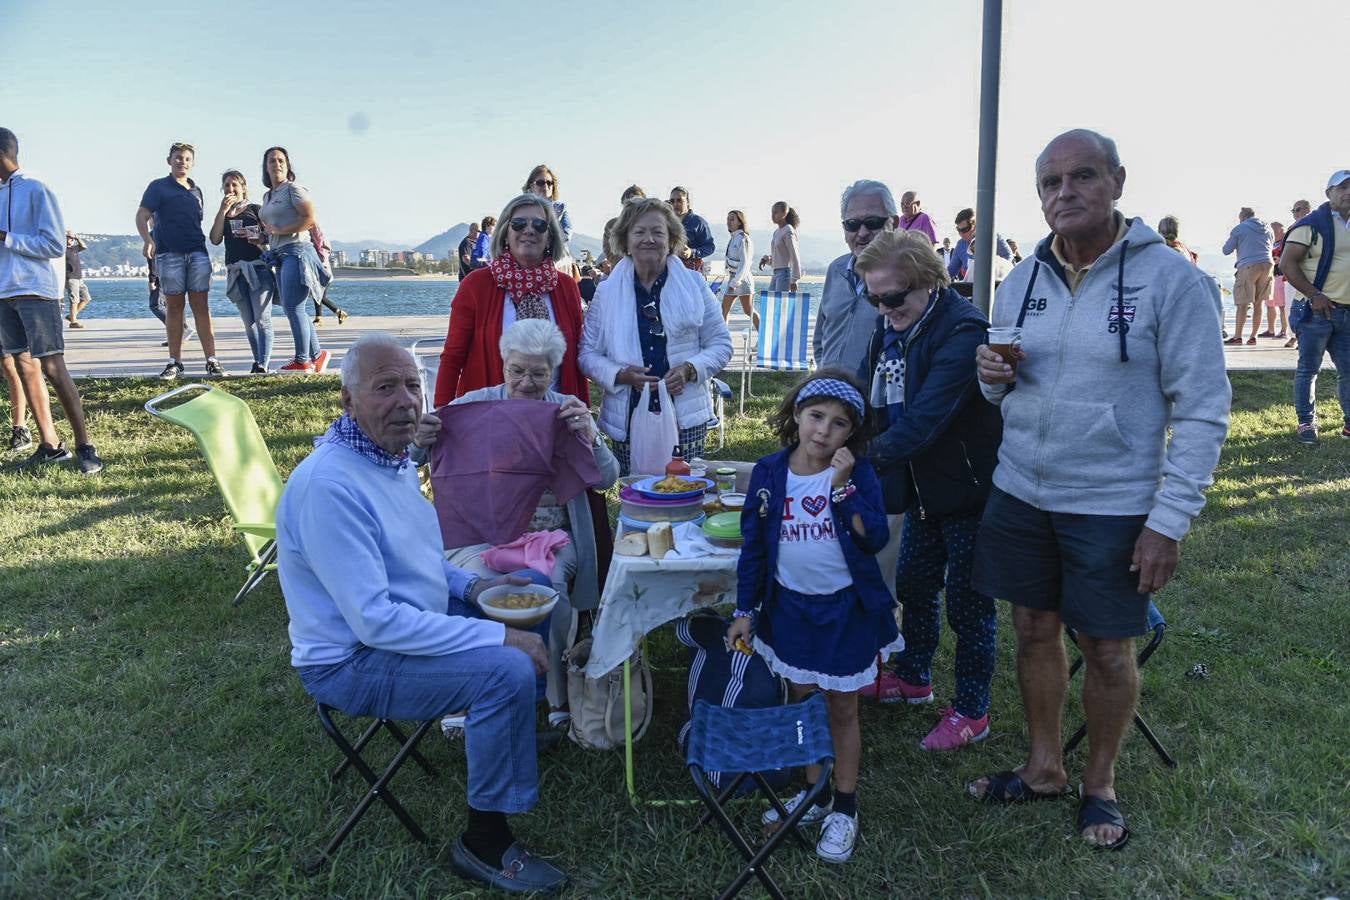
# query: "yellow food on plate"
673, 485
519, 601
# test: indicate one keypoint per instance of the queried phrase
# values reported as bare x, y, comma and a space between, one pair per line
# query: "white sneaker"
812, 816
837, 838
453, 727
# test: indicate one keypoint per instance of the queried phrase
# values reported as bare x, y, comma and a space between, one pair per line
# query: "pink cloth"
492, 462
532, 550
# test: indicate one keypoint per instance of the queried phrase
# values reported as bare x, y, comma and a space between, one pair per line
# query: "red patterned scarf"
526, 286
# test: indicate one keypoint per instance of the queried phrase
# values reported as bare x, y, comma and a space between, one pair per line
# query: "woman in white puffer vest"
653, 320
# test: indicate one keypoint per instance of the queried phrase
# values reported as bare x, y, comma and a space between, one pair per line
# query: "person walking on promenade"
740, 284
1277, 289
1316, 260
482, 246
958, 267
1298, 304
248, 280
913, 218
784, 254
177, 249
696, 230
1251, 283
76, 290
464, 253
287, 213
32, 238
542, 182
1113, 419
844, 319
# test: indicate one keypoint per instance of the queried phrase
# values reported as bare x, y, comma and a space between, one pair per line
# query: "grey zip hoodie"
1251, 239
1085, 426
33, 254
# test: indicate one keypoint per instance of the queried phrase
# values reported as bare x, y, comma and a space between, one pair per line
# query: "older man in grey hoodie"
1254, 276
1120, 343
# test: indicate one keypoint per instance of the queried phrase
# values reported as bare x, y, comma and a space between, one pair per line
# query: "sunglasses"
873, 223
893, 300
650, 312
543, 183
539, 226
173, 148
962, 229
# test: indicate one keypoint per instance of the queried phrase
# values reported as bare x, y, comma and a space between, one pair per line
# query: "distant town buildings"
337, 258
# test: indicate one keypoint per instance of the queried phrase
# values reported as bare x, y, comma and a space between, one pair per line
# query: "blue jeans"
294, 293
183, 273
928, 546
781, 279
1318, 335
497, 685
256, 313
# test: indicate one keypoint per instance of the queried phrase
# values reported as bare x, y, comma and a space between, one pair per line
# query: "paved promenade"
113, 347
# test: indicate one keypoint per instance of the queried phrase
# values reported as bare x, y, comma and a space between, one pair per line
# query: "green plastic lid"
723, 525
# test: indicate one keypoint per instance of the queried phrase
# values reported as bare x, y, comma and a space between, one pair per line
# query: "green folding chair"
237, 455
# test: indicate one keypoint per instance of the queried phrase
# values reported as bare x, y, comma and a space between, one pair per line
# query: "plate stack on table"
641, 505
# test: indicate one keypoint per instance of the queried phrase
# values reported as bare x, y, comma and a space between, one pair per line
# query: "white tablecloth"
642, 593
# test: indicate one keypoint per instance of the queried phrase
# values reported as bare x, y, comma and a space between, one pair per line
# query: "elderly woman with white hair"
531, 351
521, 282
653, 320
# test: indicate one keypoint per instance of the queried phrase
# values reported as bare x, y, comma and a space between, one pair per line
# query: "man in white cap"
1316, 262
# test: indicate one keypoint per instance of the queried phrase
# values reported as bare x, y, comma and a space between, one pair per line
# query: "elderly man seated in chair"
380, 623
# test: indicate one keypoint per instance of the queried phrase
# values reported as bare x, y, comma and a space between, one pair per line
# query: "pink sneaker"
955, 730
894, 689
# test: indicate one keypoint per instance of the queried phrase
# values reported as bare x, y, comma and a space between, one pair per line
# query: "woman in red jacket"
521, 282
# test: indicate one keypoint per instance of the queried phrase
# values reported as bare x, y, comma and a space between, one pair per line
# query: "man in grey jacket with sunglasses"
1120, 342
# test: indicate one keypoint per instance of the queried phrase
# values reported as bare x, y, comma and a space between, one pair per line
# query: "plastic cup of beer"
1003, 341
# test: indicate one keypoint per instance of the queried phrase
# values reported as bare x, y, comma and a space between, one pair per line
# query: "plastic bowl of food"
518, 605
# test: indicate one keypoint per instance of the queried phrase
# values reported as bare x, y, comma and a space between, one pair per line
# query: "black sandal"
1100, 811
1008, 787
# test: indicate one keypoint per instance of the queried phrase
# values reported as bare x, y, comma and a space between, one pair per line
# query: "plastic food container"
726, 479
633, 505
732, 502
724, 530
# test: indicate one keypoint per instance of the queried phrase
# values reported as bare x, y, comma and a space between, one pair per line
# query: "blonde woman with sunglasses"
521, 282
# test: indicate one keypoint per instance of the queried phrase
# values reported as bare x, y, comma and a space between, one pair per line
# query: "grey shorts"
31, 325
183, 273
1074, 564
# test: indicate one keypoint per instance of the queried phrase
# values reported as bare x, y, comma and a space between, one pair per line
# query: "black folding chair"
1158, 625
750, 741
379, 784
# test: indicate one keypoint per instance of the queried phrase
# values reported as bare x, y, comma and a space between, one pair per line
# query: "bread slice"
660, 540
634, 543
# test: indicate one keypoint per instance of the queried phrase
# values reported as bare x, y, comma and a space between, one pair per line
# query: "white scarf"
682, 300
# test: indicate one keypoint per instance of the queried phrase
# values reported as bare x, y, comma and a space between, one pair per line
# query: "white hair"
534, 337
866, 187
351, 361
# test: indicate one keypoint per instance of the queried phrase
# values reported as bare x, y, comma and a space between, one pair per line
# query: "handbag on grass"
596, 704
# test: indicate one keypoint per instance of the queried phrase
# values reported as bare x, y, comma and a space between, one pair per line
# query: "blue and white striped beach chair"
784, 337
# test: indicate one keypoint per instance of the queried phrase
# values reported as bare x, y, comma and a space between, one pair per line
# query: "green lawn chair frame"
229, 439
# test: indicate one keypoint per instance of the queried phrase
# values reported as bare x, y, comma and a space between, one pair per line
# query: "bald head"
1105, 146
1079, 178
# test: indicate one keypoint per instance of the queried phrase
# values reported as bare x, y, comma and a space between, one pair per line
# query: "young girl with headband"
808, 582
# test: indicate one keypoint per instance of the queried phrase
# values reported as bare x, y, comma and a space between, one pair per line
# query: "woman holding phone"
248, 280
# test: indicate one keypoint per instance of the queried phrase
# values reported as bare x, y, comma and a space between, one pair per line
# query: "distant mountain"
123, 249
445, 243
354, 248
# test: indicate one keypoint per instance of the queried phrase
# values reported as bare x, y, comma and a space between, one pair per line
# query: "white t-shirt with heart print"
810, 560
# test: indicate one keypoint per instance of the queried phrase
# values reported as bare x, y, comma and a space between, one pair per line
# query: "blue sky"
745, 103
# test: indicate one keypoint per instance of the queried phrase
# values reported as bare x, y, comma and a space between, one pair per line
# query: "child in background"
809, 584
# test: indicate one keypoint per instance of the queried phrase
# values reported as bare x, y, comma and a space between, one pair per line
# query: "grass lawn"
155, 742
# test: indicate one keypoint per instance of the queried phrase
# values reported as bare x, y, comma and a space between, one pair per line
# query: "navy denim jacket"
755, 573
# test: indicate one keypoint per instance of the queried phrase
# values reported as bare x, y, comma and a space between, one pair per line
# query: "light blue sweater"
35, 239
360, 562
1251, 239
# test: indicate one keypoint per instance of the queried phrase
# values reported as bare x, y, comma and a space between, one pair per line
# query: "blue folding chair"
1158, 625
784, 337
748, 742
